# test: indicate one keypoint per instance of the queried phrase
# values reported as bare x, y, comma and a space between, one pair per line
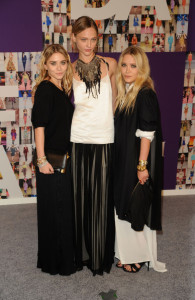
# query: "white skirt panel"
136, 246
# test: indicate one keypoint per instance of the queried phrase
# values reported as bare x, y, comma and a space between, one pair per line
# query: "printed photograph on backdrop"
182, 162
60, 38
158, 43
11, 61
191, 158
26, 153
184, 144
59, 6
35, 59
26, 135
24, 63
136, 10
109, 42
24, 80
100, 25
185, 128
25, 185
171, 25
3, 136
159, 26
47, 22
123, 26
11, 78
47, 39
135, 23
2, 78
121, 42
191, 144
60, 24
25, 117
193, 111
184, 6
15, 168
47, 5
181, 176
25, 100
146, 42
110, 26
24, 170
188, 95
189, 77
12, 151
186, 111
149, 10
2, 103
147, 24
181, 42
12, 135
182, 24
170, 42
192, 128
12, 102
134, 39
2, 63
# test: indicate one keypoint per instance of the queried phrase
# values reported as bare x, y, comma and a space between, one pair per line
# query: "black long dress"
146, 117
53, 111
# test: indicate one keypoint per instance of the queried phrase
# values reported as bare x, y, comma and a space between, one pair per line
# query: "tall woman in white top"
92, 134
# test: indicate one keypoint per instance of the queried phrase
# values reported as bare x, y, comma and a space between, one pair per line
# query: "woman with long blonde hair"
51, 117
137, 162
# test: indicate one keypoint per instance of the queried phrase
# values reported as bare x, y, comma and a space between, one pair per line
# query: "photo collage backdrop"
141, 28
185, 178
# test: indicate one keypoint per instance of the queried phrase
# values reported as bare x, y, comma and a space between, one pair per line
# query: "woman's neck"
86, 59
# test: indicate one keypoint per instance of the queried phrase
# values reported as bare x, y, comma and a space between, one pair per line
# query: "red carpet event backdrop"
169, 49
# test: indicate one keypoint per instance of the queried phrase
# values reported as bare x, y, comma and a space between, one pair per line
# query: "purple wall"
20, 23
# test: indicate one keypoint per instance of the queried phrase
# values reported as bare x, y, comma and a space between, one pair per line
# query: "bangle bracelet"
141, 168
42, 164
143, 162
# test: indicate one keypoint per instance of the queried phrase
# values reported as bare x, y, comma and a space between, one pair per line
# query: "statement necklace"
90, 74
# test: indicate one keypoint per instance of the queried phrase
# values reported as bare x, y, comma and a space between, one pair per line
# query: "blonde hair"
126, 101
46, 54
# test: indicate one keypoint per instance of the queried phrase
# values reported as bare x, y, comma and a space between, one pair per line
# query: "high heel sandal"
134, 268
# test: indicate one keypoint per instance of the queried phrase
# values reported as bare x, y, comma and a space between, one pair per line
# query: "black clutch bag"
138, 209
57, 160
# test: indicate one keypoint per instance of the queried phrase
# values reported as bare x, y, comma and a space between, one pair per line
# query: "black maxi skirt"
55, 223
94, 208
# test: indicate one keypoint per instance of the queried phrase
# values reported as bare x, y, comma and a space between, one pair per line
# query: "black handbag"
57, 160
138, 209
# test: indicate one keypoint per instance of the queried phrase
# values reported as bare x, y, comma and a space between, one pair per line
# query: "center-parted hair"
126, 100
83, 23
43, 75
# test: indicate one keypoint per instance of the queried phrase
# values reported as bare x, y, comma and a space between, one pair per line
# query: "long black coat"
146, 117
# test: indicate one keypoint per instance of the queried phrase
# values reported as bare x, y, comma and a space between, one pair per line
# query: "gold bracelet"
143, 162
41, 160
141, 168
42, 164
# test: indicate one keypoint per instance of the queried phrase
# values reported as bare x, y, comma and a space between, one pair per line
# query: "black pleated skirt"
94, 209
55, 223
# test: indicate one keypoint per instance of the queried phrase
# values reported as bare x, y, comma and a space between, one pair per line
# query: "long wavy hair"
126, 100
43, 75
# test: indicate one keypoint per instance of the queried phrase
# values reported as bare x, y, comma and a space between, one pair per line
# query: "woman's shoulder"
147, 93
110, 60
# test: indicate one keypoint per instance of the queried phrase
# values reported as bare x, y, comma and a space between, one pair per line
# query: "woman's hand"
46, 169
143, 176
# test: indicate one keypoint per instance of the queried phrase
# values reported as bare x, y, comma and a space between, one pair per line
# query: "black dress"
53, 111
146, 117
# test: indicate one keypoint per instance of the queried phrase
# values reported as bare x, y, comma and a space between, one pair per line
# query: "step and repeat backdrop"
159, 27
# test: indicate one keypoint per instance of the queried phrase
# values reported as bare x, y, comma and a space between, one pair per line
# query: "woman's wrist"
142, 165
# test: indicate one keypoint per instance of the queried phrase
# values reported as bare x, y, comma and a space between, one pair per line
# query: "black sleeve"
148, 110
42, 109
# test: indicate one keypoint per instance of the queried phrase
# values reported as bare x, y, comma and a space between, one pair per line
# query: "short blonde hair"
46, 54
126, 101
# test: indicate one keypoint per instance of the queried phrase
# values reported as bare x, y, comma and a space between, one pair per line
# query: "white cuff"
146, 134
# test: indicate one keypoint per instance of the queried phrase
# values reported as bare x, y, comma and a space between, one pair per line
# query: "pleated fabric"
55, 223
94, 209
